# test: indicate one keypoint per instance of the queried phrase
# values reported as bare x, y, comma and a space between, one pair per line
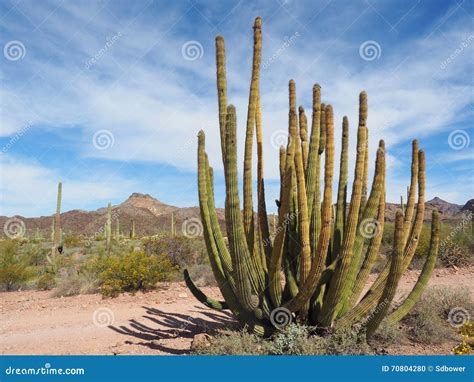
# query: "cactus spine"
57, 224
324, 253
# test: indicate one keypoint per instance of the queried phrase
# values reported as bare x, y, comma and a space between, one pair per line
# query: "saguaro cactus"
57, 224
325, 252
108, 229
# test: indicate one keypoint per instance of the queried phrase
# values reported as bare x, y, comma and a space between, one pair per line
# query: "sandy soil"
160, 322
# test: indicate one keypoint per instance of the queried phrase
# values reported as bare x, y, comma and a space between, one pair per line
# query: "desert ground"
160, 322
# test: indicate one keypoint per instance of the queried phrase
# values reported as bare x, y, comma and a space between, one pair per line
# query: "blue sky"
108, 96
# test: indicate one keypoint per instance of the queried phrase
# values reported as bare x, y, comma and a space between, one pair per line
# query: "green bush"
14, 270
132, 272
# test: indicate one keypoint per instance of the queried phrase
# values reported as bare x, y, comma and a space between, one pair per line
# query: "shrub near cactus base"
315, 268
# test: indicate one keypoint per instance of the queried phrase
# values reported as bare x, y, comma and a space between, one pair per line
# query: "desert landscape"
165, 321
163, 204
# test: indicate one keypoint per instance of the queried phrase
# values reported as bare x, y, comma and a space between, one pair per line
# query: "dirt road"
160, 322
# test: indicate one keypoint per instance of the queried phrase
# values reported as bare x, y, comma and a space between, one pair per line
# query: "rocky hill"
152, 216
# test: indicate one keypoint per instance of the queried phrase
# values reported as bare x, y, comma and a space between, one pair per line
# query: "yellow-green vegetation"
317, 264
133, 272
467, 342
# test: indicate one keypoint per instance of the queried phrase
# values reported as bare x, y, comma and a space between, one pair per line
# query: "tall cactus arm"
235, 229
248, 218
365, 179
366, 223
221, 90
373, 294
313, 155
303, 221
200, 296
341, 191
372, 253
422, 281
334, 297
274, 269
317, 266
410, 208
262, 205
221, 246
396, 265
303, 136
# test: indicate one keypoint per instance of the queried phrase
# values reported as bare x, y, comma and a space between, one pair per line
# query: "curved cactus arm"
307, 289
200, 296
396, 269
333, 300
422, 281
221, 90
339, 223
248, 218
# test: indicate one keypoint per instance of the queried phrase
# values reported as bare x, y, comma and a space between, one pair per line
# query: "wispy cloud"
106, 66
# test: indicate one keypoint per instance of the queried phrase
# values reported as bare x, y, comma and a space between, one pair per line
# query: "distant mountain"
448, 211
152, 216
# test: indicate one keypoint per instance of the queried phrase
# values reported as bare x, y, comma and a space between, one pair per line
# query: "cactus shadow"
160, 327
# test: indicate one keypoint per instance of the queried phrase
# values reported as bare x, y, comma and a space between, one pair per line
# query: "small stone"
200, 340
183, 295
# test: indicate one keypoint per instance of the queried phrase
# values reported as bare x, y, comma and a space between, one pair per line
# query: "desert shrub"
182, 251
46, 281
451, 254
387, 333
134, 271
292, 340
296, 340
72, 284
346, 341
14, 270
429, 322
234, 343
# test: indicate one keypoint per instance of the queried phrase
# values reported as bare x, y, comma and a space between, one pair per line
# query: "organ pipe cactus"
316, 265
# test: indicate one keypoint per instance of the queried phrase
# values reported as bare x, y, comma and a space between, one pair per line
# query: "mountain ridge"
152, 216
